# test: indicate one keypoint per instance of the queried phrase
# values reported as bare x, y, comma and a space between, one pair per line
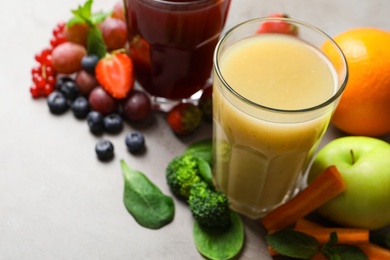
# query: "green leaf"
75, 20
95, 42
205, 172
84, 11
145, 201
99, 17
343, 252
380, 238
292, 243
220, 243
203, 149
333, 238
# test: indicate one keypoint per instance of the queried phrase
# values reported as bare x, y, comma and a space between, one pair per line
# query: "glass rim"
327, 102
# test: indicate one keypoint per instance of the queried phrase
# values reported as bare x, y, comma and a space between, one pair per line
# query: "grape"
66, 57
118, 11
77, 33
137, 106
86, 82
114, 33
101, 101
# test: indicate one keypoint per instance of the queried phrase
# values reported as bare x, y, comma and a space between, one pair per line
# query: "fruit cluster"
86, 70
43, 74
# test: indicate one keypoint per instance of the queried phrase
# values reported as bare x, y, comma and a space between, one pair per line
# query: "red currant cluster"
43, 74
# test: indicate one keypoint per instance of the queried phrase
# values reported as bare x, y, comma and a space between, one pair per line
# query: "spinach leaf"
220, 243
293, 244
202, 149
145, 201
205, 172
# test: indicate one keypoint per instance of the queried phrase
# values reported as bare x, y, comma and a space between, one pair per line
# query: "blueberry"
80, 107
104, 150
135, 142
89, 62
57, 102
70, 90
113, 123
95, 122
60, 81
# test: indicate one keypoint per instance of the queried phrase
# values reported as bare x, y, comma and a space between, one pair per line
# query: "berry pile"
43, 74
87, 70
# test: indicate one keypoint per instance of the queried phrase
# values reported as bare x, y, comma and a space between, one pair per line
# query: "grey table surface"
57, 201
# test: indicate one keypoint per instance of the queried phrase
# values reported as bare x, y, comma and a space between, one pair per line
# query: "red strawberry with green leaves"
114, 73
184, 118
273, 26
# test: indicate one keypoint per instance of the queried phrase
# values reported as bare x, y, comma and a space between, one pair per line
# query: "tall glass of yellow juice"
273, 97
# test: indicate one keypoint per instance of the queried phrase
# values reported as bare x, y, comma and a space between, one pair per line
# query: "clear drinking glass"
273, 98
172, 44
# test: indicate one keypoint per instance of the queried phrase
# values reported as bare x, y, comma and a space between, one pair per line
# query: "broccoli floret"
210, 208
181, 173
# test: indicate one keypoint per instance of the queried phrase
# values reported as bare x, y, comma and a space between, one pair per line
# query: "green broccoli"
210, 208
181, 173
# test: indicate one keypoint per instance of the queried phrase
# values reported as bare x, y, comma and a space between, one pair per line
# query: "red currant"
35, 93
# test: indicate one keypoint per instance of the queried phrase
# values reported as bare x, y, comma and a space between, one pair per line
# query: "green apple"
364, 163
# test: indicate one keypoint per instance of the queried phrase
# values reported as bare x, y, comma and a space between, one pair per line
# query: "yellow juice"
260, 154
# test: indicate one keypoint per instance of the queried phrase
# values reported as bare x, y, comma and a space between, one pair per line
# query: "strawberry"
184, 118
114, 73
206, 103
278, 26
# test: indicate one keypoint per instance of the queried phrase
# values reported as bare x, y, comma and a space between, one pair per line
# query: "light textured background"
57, 201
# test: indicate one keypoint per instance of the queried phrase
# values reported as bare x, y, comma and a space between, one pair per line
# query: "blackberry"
57, 103
135, 142
95, 122
80, 107
113, 123
104, 150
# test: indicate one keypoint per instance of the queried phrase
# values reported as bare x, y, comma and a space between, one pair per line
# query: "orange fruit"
364, 107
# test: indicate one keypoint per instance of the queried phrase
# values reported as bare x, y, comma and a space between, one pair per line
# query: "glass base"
165, 104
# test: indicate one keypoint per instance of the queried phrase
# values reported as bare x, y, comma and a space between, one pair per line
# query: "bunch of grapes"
43, 74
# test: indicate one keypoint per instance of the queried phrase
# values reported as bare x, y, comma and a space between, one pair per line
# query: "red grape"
114, 33
77, 33
86, 82
101, 101
118, 11
66, 57
137, 106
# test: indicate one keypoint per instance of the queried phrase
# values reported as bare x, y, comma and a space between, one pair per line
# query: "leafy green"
300, 245
343, 252
334, 251
144, 200
95, 42
293, 244
205, 172
83, 14
220, 243
380, 238
202, 149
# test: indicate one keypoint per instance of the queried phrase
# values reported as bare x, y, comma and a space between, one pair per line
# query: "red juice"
172, 43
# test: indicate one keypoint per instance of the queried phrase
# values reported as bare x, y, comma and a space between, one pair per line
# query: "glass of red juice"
172, 44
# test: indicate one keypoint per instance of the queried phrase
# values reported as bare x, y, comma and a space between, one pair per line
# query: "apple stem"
353, 157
